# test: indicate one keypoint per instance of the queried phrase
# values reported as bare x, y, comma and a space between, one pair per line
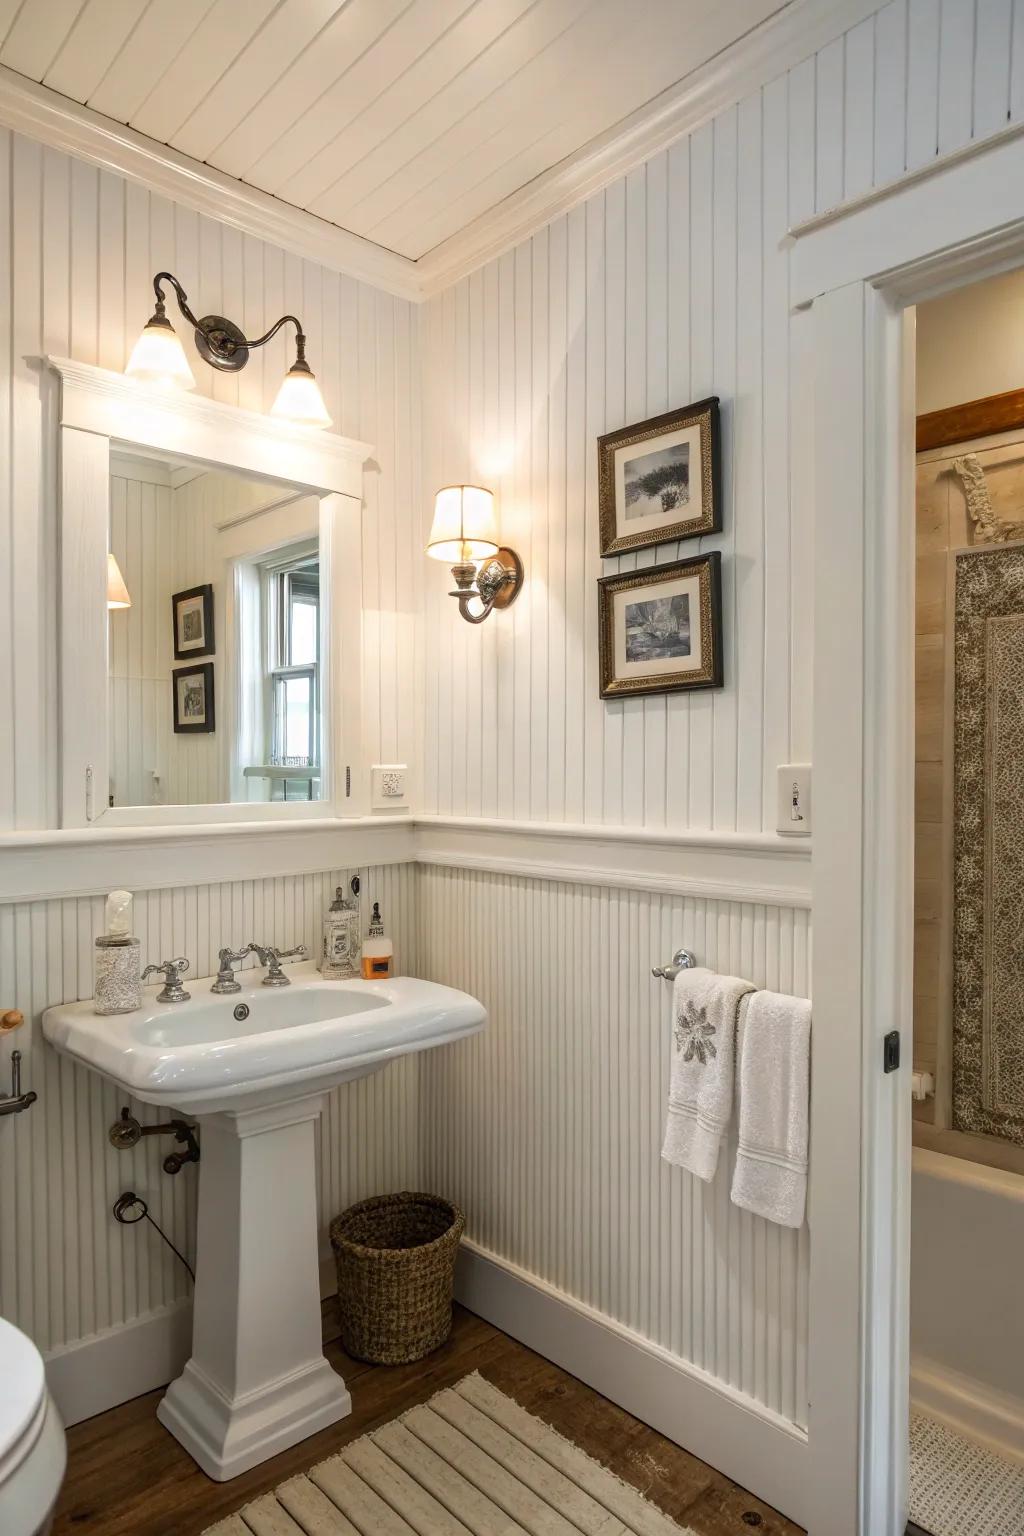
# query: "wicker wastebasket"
396, 1270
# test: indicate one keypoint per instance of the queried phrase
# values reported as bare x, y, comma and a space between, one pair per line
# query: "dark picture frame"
660, 480
188, 718
660, 629
193, 609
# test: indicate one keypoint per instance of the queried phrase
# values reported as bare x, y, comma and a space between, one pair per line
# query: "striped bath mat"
468, 1461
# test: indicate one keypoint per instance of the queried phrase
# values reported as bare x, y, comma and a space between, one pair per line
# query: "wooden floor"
128, 1477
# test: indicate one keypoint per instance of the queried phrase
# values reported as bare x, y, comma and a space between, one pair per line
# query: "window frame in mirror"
99, 410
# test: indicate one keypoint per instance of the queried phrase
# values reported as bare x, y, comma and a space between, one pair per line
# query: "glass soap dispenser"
378, 949
117, 982
339, 958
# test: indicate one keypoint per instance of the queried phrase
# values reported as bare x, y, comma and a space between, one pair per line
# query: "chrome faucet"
226, 979
170, 970
271, 958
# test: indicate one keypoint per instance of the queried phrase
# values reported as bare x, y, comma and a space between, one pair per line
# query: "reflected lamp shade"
463, 528
299, 398
158, 357
117, 592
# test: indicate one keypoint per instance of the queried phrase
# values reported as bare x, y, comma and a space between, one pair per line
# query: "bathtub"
967, 1298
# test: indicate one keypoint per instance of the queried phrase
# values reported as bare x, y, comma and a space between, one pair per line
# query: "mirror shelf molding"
99, 400
99, 411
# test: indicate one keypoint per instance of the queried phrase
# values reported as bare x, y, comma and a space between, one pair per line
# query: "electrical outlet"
388, 787
794, 802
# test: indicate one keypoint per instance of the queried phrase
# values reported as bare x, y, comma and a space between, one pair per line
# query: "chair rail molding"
760, 868
757, 867
40, 866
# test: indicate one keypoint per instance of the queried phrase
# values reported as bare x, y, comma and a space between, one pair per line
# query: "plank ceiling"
400, 120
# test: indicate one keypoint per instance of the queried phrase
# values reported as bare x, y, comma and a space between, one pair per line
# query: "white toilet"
32, 1450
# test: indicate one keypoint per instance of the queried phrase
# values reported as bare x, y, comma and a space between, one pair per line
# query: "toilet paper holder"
14, 1102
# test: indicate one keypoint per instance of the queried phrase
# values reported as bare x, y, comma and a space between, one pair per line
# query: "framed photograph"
193, 622
659, 481
193, 698
661, 629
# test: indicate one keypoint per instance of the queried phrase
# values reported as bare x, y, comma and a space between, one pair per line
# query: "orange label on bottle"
376, 965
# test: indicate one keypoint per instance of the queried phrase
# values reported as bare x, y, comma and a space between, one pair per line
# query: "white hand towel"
770, 1177
705, 1009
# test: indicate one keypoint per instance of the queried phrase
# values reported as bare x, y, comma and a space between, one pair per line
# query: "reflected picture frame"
659, 480
192, 699
192, 615
660, 629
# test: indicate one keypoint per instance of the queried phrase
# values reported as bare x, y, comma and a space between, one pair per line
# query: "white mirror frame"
98, 407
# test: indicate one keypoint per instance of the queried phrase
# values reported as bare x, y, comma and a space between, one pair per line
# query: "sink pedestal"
257, 1381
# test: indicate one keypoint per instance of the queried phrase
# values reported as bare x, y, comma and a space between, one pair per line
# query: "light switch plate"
389, 787
794, 802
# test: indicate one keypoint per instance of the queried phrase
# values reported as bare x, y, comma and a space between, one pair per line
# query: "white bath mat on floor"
469, 1460
958, 1488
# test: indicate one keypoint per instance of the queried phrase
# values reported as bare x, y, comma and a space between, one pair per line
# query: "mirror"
216, 635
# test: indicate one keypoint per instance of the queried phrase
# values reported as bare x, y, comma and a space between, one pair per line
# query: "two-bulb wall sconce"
158, 356
463, 534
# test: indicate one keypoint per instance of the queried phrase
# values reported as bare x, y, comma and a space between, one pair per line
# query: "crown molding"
784, 39
42, 114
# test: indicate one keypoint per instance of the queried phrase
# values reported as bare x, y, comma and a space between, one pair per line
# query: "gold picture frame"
659, 480
661, 628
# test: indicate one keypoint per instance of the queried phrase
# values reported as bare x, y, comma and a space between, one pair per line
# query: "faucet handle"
271, 958
170, 970
226, 981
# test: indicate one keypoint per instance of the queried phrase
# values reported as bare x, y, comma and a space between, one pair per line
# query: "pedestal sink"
254, 1067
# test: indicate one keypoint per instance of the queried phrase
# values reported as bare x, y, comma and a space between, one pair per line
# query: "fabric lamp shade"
117, 592
463, 528
158, 357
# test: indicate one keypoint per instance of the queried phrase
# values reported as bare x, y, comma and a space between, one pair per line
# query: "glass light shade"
299, 398
117, 592
463, 528
158, 357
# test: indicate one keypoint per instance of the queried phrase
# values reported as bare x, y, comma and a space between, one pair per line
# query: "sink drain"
241, 1011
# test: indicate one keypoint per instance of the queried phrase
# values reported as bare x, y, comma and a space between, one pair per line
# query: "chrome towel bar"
682, 960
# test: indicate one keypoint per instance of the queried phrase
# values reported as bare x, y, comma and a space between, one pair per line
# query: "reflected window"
290, 623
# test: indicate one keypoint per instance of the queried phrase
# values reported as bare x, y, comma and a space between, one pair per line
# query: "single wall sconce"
159, 358
463, 533
117, 592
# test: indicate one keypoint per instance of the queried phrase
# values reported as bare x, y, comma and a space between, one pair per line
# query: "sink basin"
196, 1057
257, 1381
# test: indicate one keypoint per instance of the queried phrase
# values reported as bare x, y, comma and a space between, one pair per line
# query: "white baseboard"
969, 1406
755, 1447
108, 1368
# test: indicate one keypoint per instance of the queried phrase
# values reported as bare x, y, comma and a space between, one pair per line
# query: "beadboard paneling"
78, 248
664, 288
547, 1127
67, 1270
670, 284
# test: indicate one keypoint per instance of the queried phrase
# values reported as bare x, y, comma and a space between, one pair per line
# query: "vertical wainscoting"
67, 1270
547, 1127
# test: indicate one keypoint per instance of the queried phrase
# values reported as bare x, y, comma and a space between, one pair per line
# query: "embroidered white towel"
774, 1048
705, 1009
